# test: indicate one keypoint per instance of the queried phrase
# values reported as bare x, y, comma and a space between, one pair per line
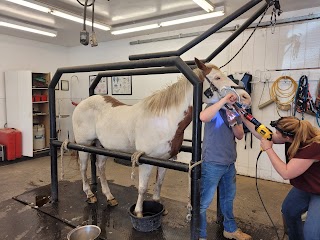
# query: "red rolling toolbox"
12, 139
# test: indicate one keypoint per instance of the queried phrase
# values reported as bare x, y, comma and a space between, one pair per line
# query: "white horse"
153, 126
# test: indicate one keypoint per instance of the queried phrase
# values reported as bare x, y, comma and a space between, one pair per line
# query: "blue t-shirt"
219, 145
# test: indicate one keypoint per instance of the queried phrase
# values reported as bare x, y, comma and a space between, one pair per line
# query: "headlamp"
275, 125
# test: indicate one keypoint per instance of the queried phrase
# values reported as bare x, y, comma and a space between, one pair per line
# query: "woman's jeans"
213, 175
296, 203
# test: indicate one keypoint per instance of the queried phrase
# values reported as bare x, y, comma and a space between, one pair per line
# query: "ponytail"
304, 133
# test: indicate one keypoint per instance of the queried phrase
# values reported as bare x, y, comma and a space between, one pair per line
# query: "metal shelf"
40, 114
41, 102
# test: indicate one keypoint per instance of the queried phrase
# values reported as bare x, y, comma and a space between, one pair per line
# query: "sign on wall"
121, 85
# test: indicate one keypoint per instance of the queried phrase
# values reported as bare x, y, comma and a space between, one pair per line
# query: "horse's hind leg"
83, 157
101, 165
157, 187
144, 175
159, 180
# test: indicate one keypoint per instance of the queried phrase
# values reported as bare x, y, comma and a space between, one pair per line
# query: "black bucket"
151, 220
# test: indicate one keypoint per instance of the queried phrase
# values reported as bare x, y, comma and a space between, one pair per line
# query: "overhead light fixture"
30, 5
135, 29
206, 5
79, 20
58, 14
193, 18
27, 29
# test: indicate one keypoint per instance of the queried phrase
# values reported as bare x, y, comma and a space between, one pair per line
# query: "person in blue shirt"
218, 169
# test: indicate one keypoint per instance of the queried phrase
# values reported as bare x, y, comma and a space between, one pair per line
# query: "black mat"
21, 222
72, 210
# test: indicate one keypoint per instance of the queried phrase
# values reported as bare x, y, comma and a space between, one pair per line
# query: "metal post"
53, 136
196, 147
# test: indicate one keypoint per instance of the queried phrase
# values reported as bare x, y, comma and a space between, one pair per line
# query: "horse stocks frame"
170, 62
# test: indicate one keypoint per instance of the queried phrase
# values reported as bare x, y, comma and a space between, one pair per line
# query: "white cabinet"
27, 108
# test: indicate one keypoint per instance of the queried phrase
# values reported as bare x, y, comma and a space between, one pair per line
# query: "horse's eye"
217, 78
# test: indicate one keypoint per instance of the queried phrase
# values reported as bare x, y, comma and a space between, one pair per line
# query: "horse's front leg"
83, 158
157, 187
144, 175
101, 165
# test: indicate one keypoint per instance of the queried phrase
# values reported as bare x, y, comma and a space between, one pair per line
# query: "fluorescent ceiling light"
59, 14
30, 5
79, 20
135, 29
191, 19
206, 5
27, 29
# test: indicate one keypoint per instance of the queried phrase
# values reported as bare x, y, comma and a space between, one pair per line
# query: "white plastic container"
39, 141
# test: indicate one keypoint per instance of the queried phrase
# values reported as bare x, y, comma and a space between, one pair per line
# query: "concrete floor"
21, 176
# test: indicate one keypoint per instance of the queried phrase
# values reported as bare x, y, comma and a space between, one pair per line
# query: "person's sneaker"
237, 235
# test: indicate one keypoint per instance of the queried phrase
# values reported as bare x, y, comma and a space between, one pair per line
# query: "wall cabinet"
27, 108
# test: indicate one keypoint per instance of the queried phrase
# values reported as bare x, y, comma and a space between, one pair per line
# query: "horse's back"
101, 117
85, 117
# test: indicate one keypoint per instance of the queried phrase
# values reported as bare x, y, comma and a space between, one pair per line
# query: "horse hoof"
112, 202
165, 212
92, 199
139, 214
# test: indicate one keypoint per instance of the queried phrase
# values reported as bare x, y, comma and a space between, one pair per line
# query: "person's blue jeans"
213, 175
296, 203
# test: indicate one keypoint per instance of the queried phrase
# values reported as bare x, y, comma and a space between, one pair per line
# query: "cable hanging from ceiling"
84, 34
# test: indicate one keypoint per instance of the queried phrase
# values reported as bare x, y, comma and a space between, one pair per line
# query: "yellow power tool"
260, 128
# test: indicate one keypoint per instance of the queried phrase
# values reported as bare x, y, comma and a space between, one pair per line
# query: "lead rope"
135, 161
189, 206
64, 146
303, 99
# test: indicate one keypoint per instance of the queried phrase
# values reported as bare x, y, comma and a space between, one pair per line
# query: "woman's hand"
230, 98
265, 144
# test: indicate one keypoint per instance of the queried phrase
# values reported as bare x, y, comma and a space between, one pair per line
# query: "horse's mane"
173, 95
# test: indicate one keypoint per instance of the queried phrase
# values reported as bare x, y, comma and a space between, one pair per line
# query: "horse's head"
216, 85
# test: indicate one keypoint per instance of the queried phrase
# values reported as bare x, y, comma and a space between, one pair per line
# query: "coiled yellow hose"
283, 97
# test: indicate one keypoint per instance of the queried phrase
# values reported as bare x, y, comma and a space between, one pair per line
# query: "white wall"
22, 54
290, 46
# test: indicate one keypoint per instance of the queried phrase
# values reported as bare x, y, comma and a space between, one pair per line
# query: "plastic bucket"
38, 137
152, 215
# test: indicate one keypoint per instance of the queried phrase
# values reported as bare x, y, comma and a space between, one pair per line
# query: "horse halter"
223, 91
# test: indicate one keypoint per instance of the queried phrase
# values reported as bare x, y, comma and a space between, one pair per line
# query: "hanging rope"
303, 99
283, 97
189, 206
64, 146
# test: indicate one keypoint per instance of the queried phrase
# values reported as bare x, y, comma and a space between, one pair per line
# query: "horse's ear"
202, 66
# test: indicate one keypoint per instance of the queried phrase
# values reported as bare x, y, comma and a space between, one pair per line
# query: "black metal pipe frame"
179, 166
201, 37
87, 68
131, 72
159, 62
165, 59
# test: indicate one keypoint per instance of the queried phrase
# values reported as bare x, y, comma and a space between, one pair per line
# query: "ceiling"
119, 14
